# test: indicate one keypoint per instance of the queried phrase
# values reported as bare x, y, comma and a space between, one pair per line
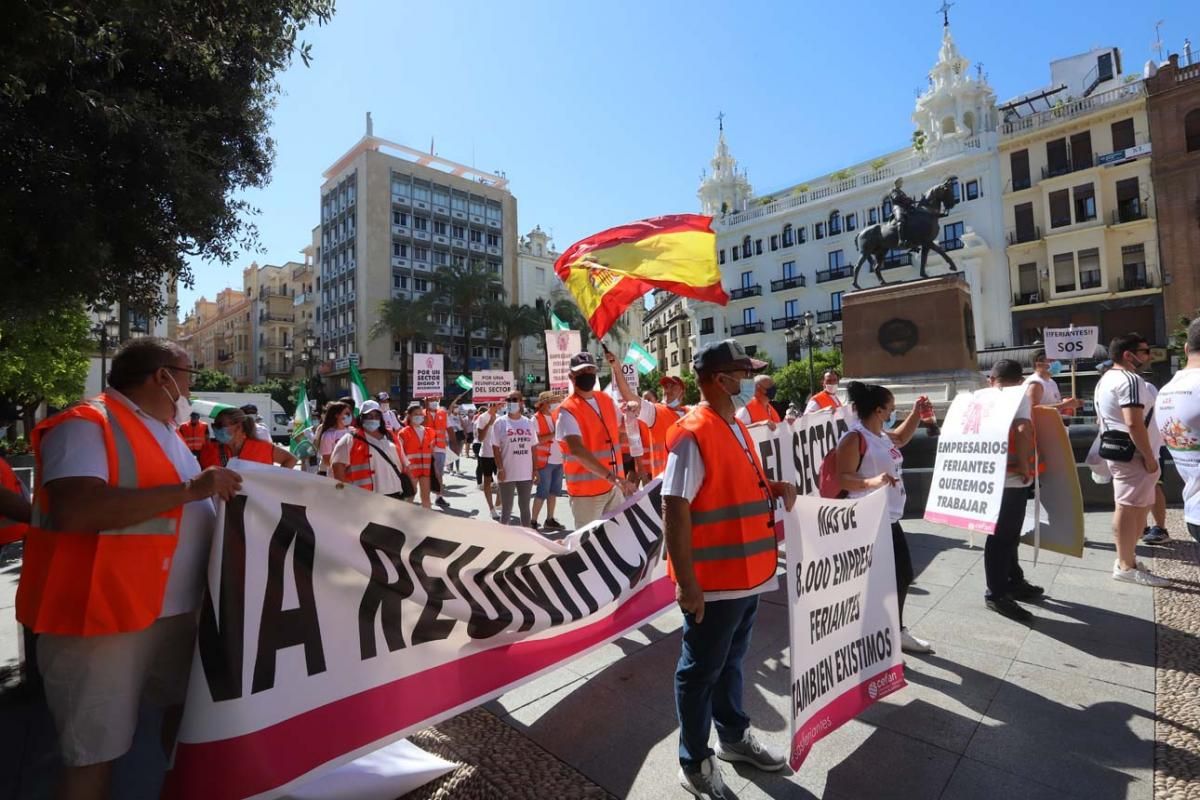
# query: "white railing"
1075, 108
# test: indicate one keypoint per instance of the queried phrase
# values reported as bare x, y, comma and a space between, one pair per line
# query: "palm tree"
513, 323
467, 291
403, 320
566, 309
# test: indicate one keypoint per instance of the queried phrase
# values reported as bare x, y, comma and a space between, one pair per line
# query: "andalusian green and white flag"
358, 388
641, 358
557, 324
302, 432
464, 383
208, 409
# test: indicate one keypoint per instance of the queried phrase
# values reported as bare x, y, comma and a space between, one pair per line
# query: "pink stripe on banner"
265, 759
961, 522
843, 709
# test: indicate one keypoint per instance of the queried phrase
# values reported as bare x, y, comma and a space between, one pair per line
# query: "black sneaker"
551, 524
1007, 607
441, 501
1155, 535
1026, 591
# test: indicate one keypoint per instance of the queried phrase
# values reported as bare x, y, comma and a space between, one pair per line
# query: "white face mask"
183, 404
831, 388
418, 421
514, 408
673, 403
554, 407
433, 405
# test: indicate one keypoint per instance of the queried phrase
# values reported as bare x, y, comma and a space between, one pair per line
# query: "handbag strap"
381, 452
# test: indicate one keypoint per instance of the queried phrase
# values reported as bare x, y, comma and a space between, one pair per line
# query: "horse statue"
920, 222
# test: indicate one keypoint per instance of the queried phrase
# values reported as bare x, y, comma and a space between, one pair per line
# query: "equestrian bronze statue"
915, 226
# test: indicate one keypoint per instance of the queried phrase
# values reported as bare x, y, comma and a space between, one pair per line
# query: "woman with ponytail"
869, 458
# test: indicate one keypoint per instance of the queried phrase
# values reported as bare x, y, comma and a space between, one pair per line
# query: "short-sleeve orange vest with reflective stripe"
437, 421
762, 412
91, 583
215, 454
418, 451
825, 400
541, 450
601, 435
664, 420
194, 434
733, 528
10, 529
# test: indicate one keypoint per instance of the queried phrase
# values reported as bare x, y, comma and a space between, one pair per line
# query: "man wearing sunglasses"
115, 559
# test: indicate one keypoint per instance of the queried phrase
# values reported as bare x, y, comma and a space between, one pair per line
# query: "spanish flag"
610, 270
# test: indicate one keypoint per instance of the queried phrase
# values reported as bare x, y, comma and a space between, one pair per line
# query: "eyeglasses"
1141, 350
188, 370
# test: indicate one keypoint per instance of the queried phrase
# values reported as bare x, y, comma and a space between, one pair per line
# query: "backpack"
827, 481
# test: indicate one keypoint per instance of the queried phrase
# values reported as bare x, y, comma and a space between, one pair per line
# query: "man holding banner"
719, 525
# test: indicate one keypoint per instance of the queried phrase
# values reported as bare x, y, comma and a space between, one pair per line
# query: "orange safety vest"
733, 525
763, 412
359, 472
541, 451
418, 451
96, 582
825, 400
215, 454
601, 435
10, 529
437, 421
645, 463
1039, 467
665, 418
194, 435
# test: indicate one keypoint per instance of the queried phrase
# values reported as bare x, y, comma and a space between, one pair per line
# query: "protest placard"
972, 459
630, 372
1071, 343
337, 621
427, 375
794, 451
560, 346
844, 614
492, 385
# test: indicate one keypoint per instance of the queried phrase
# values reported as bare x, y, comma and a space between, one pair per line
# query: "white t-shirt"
882, 456
683, 477
76, 449
1051, 394
1117, 389
453, 422
385, 479
485, 442
556, 456
512, 442
1177, 421
1025, 412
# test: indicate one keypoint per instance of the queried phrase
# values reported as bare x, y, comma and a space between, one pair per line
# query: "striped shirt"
1118, 389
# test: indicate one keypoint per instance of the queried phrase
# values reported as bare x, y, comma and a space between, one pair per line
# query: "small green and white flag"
208, 409
302, 431
464, 383
641, 358
557, 324
358, 387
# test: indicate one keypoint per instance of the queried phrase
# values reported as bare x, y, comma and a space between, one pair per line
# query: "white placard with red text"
560, 346
491, 386
428, 380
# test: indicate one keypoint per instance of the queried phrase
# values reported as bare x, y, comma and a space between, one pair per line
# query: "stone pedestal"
916, 338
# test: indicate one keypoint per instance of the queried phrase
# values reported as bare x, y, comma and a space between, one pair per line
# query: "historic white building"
794, 251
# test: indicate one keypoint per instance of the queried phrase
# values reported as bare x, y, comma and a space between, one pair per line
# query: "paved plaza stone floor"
1065, 707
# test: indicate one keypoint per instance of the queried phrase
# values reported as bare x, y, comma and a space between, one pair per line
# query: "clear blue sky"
602, 113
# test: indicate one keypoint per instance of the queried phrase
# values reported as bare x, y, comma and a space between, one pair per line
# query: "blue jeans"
708, 678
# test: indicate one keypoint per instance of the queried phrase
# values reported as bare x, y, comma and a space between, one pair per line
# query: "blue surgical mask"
1055, 367
370, 425
347, 420
890, 422
745, 392
418, 420
223, 435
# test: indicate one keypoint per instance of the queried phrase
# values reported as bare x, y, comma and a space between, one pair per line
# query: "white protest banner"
844, 614
492, 385
972, 458
631, 376
794, 451
560, 346
1071, 343
337, 621
428, 380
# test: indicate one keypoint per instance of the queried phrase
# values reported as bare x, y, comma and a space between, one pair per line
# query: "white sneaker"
495, 515
751, 751
706, 782
911, 644
1139, 575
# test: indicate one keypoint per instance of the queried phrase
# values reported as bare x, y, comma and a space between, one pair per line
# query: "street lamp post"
108, 328
813, 336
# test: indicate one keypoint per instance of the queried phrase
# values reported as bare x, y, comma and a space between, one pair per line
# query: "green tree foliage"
282, 392
691, 390
44, 362
513, 323
127, 131
404, 320
211, 380
791, 381
467, 292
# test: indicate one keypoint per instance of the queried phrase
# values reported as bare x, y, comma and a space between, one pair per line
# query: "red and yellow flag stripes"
608, 271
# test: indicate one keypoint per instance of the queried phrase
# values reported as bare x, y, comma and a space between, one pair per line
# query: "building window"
439, 228
1058, 161
789, 270
837, 259
746, 247
1064, 272
747, 279
675, 359
477, 236
872, 215
1122, 134
541, 276
421, 253
706, 325
1027, 281
1081, 151
774, 242
421, 284
851, 221
835, 223
721, 255
493, 240
420, 223
820, 230
1060, 208
399, 282
1085, 202
801, 234
1129, 201
1191, 130
885, 210
791, 309
458, 231
733, 251
758, 247
1133, 267
952, 235
399, 218
1019, 164
835, 303
787, 235
749, 316
956, 191
1089, 268
973, 190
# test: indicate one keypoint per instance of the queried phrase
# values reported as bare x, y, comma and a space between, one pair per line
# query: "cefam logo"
879, 684
429, 363
564, 341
